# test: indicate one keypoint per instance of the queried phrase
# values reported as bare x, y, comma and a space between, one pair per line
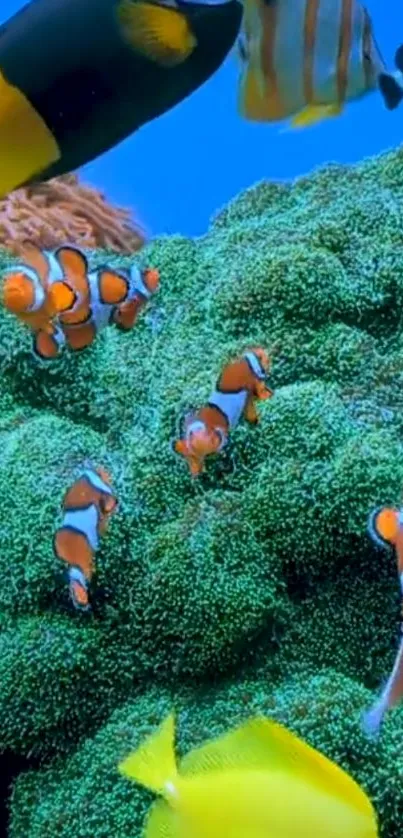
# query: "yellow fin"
157, 32
27, 145
253, 104
315, 113
153, 763
262, 744
161, 822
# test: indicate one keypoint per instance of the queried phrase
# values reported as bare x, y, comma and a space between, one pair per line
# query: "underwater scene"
201, 419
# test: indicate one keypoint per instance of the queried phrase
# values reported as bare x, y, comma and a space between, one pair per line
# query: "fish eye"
367, 56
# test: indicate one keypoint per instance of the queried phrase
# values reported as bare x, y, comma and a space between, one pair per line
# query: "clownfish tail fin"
78, 587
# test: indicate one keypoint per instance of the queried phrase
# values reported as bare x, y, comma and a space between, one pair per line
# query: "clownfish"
87, 506
258, 780
240, 384
385, 527
36, 291
91, 299
305, 59
79, 76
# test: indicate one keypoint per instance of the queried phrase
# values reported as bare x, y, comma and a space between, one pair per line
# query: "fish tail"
391, 84
399, 58
78, 587
391, 87
153, 764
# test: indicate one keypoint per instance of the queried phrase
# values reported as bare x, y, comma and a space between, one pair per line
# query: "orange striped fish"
386, 529
304, 59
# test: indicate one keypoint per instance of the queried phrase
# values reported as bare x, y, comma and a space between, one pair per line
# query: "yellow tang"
258, 781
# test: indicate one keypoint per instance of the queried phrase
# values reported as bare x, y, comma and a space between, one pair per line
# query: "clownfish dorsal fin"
62, 297
78, 586
33, 256
73, 263
391, 87
159, 33
263, 745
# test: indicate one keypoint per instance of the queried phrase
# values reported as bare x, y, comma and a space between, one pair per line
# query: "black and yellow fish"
79, 76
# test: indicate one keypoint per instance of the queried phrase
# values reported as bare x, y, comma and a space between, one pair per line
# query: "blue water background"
177, 171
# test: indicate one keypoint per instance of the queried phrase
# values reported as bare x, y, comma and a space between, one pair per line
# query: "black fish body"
86, 82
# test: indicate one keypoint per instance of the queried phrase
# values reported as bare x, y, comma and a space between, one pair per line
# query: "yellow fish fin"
153, 763
315, 113
27, 145
161, 822
157, 32
262, 744
253, 104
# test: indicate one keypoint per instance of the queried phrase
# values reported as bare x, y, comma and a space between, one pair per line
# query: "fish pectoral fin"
62, 297
157, 32
153, 763
179, 447
44, 346
73, 262
315, 113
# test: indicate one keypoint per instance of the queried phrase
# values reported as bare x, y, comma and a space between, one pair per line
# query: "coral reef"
253, 589
63, 209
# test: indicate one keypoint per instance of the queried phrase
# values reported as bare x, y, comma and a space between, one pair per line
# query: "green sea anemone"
254, 588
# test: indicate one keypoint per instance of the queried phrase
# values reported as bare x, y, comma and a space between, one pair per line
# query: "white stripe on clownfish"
96, 481
86, 520
255, 365
137, 284
83, 521
39, 291
231, 404
101, 312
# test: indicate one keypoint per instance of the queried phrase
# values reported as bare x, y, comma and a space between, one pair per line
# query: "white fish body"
300, 54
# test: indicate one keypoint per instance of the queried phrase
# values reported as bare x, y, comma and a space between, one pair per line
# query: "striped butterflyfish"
79, 76
303, 60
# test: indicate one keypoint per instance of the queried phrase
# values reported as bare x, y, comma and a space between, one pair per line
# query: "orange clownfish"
77, 303
240, 384
36, 290
104, 296
386, 529
87, 505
